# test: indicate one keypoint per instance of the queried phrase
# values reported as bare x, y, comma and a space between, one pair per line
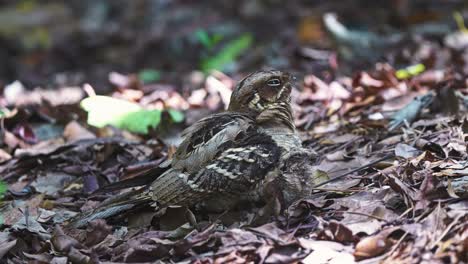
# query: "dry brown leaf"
374, 245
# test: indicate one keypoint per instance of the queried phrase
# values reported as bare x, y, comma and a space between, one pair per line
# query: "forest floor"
365, 90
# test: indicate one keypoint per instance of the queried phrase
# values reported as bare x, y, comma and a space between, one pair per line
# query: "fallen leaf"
374, 245
74, 131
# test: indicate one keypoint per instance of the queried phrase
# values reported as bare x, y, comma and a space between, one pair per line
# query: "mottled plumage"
203, 139
222, 153
237, 168
250, 97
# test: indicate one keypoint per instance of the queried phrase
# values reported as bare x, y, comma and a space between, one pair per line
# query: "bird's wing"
202, 140
239, 166
200, 144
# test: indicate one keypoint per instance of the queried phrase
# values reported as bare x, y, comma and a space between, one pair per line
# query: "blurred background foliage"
50, 42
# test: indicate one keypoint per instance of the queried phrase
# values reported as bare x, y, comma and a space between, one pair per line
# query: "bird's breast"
286, 140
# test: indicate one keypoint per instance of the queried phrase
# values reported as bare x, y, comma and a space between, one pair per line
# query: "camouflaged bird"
202, 140
241, 168
263, 162
228, 155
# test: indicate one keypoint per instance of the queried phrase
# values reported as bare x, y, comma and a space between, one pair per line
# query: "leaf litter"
408, 208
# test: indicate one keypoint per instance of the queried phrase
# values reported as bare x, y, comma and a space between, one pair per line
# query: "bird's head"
260, 91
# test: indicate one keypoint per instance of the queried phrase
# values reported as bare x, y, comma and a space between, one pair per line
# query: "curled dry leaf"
74, 131
337, 232
4, 156
62, 242
374, 245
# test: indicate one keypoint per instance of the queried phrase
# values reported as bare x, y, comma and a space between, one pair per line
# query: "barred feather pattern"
232, 154
204, 138
237, 169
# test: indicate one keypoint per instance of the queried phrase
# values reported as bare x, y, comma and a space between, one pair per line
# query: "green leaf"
140, 121
410, 71
206, 40
149, 76
104, 110
3, 188
203, 37
176, 116
216, 39
228, 54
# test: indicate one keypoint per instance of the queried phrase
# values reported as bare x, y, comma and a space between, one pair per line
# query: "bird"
267, 159
232, 156
200, 141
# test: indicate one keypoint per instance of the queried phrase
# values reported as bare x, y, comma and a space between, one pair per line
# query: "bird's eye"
274, 82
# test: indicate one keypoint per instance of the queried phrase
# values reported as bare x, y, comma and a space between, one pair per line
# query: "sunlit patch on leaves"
228, 54
104, 110
460, 21
321, 176
410, 71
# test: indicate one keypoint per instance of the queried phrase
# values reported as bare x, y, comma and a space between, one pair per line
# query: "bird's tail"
112, 207
172, 188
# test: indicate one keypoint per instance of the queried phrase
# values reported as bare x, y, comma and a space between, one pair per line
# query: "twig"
388, 156
405, 212
364, 214
335, 190
446, 231
397, 244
